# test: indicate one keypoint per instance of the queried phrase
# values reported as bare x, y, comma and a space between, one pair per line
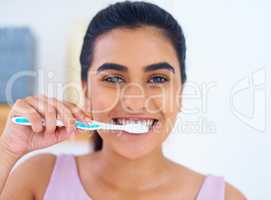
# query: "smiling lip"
136, 117
139, 117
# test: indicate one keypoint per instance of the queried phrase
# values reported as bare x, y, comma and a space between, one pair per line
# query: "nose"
133, 98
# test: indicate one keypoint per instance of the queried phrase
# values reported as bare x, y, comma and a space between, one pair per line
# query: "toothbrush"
93, 125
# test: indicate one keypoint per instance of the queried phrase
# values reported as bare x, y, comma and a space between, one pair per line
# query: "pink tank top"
65, 183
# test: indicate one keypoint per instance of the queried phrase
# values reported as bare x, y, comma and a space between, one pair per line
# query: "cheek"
167, 104
171, 101
172, 97
163, 100
103, 100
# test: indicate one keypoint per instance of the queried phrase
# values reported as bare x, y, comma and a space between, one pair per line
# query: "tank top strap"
213, 188
64, 182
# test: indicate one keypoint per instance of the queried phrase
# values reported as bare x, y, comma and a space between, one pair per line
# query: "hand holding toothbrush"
43, 113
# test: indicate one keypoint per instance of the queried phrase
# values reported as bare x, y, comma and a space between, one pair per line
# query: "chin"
133, 152
129, 146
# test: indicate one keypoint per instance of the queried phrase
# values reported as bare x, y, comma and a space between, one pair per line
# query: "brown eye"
113, 79
158, 80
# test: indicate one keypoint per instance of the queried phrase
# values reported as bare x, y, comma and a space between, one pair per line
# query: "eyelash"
156, 76
161, 77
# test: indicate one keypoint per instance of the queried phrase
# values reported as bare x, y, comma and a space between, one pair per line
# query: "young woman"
133, 71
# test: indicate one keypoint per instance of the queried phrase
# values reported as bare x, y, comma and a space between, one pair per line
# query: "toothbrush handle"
87, 126
25, 122
94, 125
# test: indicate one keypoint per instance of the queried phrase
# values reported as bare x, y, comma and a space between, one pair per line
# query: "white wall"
228, 79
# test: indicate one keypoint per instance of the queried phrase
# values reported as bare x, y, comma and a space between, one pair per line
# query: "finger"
50, 120
22, 108
48, 112
62, 134
65, 113
78, 112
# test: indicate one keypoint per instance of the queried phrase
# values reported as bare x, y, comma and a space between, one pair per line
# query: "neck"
139, 174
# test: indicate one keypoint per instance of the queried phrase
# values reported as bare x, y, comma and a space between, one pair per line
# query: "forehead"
134, 47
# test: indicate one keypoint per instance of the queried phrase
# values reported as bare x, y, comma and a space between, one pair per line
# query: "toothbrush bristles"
136, 128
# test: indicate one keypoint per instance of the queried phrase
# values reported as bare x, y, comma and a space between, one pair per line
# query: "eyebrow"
122, 68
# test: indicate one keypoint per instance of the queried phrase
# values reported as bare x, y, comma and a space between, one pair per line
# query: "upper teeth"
148, 122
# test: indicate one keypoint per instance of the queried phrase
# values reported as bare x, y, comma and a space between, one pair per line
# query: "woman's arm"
29, 180
7, 161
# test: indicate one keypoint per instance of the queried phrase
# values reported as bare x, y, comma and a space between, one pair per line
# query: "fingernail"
74, 133
71, 130
72, 121
74, 128
88, 119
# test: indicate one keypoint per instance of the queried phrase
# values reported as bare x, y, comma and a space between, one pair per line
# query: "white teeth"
148, 122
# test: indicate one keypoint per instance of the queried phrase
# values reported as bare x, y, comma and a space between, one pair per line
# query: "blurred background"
224, 127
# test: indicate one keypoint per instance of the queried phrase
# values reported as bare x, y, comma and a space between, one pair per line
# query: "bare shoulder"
187, 173
187, 182
196, 179
232, 193
30, 178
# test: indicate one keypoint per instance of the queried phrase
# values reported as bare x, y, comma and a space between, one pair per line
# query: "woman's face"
135, 75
